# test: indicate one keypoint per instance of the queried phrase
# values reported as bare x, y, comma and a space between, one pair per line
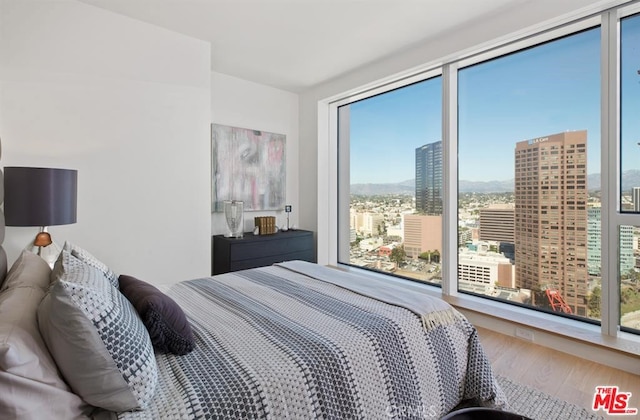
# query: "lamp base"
234, 215
44, 247
43, 239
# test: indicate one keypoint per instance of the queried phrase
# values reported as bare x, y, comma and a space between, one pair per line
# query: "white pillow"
88, 258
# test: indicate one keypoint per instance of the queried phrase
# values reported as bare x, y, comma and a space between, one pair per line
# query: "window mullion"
610, 304
450, 168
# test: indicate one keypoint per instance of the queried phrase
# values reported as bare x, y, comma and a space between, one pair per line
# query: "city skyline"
529, 135
537, 92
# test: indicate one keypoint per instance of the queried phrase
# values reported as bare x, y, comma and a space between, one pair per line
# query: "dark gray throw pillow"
167, 324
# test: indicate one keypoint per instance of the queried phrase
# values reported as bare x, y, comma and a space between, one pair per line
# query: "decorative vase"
234, 215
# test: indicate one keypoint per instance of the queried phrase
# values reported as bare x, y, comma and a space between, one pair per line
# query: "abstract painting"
248, 165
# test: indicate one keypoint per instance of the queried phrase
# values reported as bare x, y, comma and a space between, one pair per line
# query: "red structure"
557, 303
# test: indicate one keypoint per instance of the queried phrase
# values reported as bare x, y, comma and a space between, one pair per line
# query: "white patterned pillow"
97, 339
88, 258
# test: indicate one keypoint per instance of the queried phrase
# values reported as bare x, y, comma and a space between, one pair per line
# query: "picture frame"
248, 165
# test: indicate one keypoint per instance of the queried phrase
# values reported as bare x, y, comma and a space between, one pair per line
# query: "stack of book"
266, 225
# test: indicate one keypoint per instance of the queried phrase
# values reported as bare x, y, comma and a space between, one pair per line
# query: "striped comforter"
291, 341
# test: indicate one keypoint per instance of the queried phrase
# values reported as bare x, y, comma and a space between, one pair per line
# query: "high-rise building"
497, 223
627, 259
594, 238
551, 216
429, 181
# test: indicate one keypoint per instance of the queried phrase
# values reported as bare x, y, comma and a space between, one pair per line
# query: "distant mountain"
405, 187
630, 179
486, 186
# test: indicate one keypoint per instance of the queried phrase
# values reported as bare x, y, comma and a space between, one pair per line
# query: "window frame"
615, 218
608, 333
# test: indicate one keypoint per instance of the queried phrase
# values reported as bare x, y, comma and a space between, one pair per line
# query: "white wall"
125, 103
239, 103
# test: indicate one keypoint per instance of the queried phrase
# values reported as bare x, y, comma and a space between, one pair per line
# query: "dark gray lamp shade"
40, 196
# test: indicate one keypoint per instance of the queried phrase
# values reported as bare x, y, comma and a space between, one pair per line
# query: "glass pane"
629, 121
392, 144
630, 278
529, 176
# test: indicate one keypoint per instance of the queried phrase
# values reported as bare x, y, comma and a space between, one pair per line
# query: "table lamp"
40, 197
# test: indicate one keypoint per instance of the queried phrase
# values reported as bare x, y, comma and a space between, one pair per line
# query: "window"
394, 201
629, 172
497, 159
629, 277
524, 120
629, 122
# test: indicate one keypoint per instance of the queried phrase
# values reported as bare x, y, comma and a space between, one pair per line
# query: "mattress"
298, 340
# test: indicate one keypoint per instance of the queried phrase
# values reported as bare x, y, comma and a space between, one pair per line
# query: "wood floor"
564, 376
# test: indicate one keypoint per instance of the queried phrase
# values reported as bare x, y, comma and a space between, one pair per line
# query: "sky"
543, 90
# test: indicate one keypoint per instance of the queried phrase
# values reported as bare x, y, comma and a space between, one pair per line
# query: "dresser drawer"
233, 254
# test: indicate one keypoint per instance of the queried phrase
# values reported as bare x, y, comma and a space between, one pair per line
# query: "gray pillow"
97, 339
29, 270
30, 384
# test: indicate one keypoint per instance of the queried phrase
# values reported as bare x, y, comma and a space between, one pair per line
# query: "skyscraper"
551, 216
594, 239
429, 181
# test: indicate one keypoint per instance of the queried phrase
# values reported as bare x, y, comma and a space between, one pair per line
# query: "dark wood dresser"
233, 254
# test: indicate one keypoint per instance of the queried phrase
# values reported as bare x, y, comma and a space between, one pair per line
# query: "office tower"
429, 181
627, 259
551, 216
497, 223
594, 238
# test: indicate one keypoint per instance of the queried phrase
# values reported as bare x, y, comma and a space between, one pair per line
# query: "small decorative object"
40, 197
287, 209
234, 214
266, 225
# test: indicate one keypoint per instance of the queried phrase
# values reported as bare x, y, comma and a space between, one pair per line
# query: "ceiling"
296, 44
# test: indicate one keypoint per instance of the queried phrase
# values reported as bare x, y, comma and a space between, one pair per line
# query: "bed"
292, 340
